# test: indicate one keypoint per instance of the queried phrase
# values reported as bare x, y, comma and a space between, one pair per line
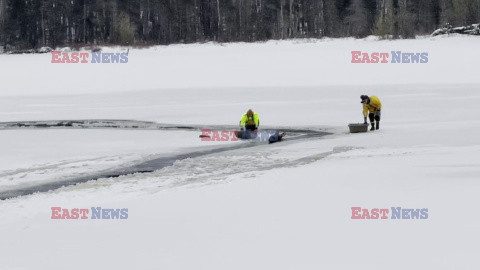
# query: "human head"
250, 112
365, 99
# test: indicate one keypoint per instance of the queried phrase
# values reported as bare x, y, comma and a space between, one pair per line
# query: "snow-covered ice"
40, 155
279, 206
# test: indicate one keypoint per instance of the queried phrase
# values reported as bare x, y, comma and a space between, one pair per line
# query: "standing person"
371, 107
250, 121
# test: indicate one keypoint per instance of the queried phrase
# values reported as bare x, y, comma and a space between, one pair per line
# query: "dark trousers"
374, 116
250, 127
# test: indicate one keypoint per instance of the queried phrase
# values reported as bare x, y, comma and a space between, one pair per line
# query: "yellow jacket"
374, 106
253, 120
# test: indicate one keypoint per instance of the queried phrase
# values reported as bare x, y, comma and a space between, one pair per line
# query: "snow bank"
272, 64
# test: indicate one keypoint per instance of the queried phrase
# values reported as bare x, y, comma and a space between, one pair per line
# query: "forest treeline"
37, 23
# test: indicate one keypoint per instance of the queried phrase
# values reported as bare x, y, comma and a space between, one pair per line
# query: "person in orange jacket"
371, 107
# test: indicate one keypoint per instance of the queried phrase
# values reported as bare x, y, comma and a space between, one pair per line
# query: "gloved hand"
365, 120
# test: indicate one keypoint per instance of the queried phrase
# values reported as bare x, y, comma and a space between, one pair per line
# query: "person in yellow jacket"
371, 107
250, 121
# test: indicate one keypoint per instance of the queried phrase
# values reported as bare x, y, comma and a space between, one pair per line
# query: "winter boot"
378, 125
373, 126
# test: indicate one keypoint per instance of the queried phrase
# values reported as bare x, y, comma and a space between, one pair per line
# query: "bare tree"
356, 21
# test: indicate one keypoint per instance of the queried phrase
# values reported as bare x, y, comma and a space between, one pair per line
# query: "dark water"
143, 167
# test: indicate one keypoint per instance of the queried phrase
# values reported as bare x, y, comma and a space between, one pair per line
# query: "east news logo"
396, 57
83, 57
85, 213
384, 213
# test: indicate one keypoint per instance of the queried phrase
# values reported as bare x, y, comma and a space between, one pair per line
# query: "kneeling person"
250, 121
